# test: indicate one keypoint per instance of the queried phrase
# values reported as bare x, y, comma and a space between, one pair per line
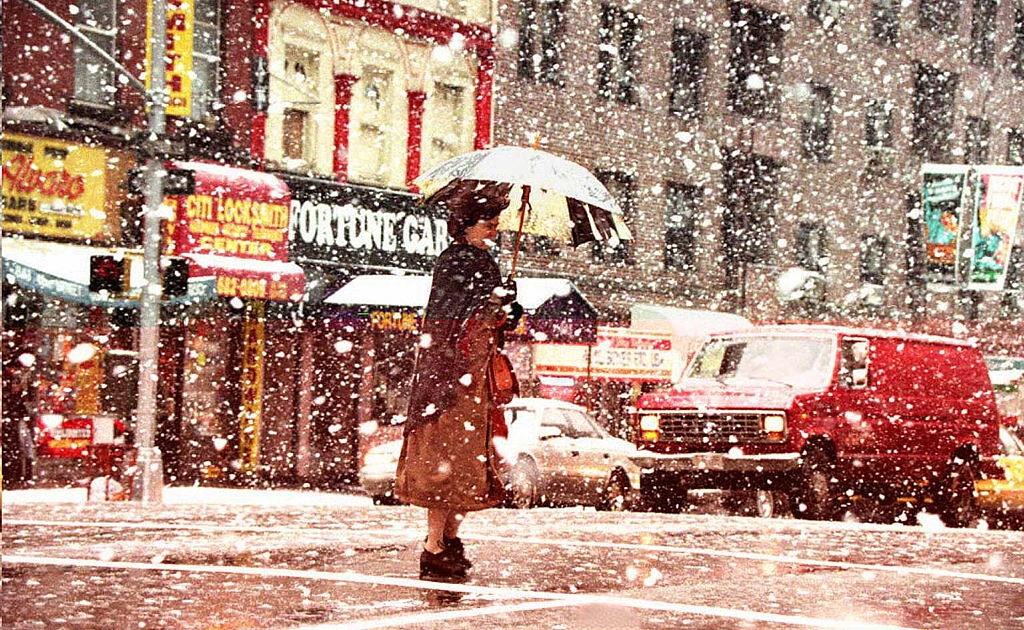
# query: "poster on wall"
942, 203
997, 206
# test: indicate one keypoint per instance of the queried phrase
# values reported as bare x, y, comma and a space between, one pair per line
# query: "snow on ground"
176, 495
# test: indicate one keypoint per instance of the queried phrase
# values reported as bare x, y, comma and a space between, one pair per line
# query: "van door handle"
574, 453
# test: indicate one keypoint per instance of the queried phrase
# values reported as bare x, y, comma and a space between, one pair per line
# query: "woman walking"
448, 463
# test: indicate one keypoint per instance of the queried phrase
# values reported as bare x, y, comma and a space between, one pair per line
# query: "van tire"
662, 492
958, 505
815, 497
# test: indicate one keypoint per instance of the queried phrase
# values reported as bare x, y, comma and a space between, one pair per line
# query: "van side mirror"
859, 377
854, 370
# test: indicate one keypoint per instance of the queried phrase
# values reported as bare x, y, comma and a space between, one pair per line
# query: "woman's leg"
436, 523
452, 523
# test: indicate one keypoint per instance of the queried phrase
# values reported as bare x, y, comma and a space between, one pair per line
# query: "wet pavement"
120, 565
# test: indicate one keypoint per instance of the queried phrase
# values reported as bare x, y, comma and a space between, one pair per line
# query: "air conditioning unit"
797, 284
880, 161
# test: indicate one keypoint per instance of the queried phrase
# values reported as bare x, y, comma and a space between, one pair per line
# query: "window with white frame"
371, 147
205, 58
298, 125
449, 106
94, 77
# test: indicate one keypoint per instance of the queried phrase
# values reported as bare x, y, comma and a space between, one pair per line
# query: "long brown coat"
448, 459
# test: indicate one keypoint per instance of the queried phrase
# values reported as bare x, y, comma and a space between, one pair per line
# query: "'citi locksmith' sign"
55, 188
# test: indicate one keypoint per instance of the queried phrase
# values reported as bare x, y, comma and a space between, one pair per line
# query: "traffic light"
175, 276
107, 273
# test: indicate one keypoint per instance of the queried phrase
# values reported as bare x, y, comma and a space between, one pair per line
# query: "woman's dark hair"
468, 201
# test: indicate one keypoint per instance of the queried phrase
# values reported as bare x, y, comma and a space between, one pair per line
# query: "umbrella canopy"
550, 196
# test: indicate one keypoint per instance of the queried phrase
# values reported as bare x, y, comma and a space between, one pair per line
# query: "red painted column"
415, 142
484, 91
261, 35
342, 105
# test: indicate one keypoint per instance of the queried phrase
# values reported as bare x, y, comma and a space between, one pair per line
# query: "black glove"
505, 293
515, 313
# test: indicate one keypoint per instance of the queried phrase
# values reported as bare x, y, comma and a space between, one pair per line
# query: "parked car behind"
1003, 498
822, 414
558, 455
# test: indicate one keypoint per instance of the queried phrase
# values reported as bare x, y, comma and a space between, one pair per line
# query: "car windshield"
790, 361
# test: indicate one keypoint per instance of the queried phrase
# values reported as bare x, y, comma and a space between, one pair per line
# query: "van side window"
853, 372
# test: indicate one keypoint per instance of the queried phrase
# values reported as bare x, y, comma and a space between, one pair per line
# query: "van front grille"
724, 426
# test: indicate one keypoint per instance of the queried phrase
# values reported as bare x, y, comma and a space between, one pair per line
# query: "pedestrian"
448, 463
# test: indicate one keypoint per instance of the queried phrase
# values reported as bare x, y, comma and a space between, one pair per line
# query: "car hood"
716, 397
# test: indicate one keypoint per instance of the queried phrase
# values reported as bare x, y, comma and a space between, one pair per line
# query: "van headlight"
649, 422
774, 424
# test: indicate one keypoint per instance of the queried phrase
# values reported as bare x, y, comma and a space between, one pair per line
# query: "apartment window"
755, 67
872, 258
817, 124
748, 220
541, 26
976, 141
682, 229
878, 123
450, 103
295, 136
885, 21
689, 69
1015, 147
983, 32
372, 144
205, 58
827, 12
941, 16
1016, 57
94, 78
810, 246
616, 60
622, 186
934, 95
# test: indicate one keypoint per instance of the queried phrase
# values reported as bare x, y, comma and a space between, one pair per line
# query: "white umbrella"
550, 195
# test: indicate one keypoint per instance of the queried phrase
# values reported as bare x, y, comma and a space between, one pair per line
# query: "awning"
250, 278
61, 270
555, 307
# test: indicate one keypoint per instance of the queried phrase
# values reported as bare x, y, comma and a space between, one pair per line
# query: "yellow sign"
394, 321
55, 188
181, 23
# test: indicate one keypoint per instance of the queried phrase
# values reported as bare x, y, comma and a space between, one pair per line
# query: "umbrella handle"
519, 233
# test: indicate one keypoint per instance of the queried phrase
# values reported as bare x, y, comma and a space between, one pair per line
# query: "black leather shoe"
442, 564
458, 551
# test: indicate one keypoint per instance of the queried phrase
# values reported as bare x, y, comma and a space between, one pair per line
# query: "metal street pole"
148, 483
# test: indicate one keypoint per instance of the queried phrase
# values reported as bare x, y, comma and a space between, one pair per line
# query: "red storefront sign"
234, 227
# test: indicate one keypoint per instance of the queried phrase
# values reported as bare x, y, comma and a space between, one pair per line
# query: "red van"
823, 414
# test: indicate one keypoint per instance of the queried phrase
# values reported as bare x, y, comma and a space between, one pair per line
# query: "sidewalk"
195, 495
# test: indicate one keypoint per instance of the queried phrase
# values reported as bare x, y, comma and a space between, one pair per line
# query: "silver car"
557, 454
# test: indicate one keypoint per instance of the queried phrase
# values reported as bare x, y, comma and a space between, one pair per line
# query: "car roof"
827, 329
544, 402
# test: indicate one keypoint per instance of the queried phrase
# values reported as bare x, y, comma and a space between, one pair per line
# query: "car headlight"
649, 422
774, 424
51, 421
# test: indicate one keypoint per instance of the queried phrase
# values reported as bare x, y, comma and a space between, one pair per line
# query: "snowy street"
251, 559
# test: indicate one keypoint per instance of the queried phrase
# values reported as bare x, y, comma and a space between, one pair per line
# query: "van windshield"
788, 361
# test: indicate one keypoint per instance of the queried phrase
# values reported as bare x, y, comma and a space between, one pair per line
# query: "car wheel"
766, 504
616, 494
959, 508
815, 496
524, 485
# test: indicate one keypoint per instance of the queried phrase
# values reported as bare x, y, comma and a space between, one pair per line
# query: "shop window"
976, 140
940, 16
810, 246
983, 32
1016, 56
622, 186
872, 258
619, 33
755, 66
682, 229
94, 77
371, 150
817, 124
933, 99
541, 35
827, 12
450, 130
885, 21
689, 69
205, 58
1015, 147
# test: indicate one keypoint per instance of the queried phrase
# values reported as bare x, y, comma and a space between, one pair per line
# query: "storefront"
238, 360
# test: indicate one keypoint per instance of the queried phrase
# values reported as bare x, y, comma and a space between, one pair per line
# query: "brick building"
747, 140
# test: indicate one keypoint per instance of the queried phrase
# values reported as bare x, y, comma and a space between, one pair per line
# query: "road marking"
446, 615
693, 551
569, 599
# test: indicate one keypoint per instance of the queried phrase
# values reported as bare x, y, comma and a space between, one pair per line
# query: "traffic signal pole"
148, 482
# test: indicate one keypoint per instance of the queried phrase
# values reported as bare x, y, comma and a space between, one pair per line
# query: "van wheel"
662, 492
959, 508
815, 496
616, 494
